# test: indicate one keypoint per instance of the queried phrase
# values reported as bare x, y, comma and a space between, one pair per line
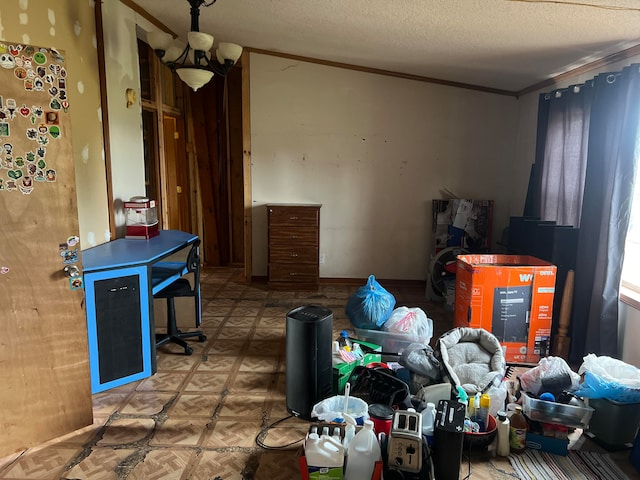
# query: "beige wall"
374, 151
69, 25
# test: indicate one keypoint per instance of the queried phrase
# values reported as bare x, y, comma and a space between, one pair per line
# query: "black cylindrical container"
309, 335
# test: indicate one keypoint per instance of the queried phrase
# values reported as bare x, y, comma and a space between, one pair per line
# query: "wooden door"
44, 363
177, 174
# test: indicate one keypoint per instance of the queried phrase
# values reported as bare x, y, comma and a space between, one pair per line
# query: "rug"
577, 465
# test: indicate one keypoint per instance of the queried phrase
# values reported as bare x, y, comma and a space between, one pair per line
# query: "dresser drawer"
293, 254
293, 236
282, 272
293, 216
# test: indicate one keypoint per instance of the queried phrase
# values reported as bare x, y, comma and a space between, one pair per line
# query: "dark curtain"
585, 167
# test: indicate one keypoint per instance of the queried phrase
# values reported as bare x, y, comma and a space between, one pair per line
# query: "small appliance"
404, 446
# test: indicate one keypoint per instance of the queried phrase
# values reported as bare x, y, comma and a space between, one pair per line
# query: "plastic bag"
420, 359
332, 409
552, 375
370, 306
412, 321
609, 378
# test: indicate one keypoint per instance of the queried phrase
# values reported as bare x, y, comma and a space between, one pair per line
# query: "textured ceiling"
502, 44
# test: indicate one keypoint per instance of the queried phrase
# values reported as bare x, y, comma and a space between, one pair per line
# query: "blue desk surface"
126, 252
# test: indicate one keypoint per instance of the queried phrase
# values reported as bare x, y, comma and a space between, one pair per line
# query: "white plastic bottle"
428, 421
503, 449
323, 454
363, 453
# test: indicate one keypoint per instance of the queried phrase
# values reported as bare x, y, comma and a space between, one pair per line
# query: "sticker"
49, 79
55, 69
4, 270
11, 103
43, 129
62, 83
42, 140
51, 175
75, 283
1, 184
28, 84
19, 162
31, 169
14, 174
1, 102
40, 58
63, 72
38, 85
54, 131
53, 91
55, 104
28, 63
29, 50
26, 185
8, 163
4, 129
32, 134
31, 157
8, 148
20, 73
52, 118
65, 106
63, 96
31, 73
41, 71
3, 115
24, 110
41, 164
69, 256
15, 50
41, 152
37, 111
11, 185
39, 176
19, 62
7, 61
62, 247
73, 240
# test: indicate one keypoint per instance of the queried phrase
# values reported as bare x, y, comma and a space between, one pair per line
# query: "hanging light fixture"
192, 61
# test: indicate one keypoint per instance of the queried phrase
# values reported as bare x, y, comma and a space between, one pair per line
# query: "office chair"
181, 288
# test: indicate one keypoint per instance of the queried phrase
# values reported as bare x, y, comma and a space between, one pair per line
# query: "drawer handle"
293, 254
292, 274
293, 218
293, 236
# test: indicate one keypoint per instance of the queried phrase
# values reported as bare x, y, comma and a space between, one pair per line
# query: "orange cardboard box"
510, 296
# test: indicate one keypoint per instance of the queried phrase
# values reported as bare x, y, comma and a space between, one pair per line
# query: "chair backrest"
193, 262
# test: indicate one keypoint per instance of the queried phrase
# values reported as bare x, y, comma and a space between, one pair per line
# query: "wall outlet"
322, 258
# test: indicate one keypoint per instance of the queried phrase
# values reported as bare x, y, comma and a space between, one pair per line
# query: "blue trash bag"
370, 306
594, 386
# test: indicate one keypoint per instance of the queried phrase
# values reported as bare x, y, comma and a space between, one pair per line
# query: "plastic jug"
325, 455
363, 453
428, 420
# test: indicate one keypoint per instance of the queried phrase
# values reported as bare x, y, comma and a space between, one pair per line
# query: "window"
631, 268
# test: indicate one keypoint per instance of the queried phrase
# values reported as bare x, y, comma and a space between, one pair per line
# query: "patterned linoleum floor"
198, 416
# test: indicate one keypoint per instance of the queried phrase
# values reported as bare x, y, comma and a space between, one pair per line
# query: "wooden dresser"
294, 245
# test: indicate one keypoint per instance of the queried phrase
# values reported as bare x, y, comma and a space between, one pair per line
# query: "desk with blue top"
120, 282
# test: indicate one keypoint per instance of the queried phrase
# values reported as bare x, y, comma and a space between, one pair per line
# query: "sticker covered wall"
33, 111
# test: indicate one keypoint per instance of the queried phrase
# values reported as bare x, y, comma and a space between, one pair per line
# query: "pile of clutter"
413, 418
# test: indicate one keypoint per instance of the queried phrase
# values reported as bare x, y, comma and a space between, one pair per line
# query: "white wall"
629, 317
374, 151
125, 124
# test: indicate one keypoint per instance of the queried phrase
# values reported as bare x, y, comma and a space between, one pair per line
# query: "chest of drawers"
293, 244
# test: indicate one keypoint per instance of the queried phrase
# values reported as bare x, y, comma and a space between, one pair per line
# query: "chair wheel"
202, 338
188, 351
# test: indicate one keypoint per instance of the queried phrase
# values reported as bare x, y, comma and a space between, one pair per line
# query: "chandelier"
193, 61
